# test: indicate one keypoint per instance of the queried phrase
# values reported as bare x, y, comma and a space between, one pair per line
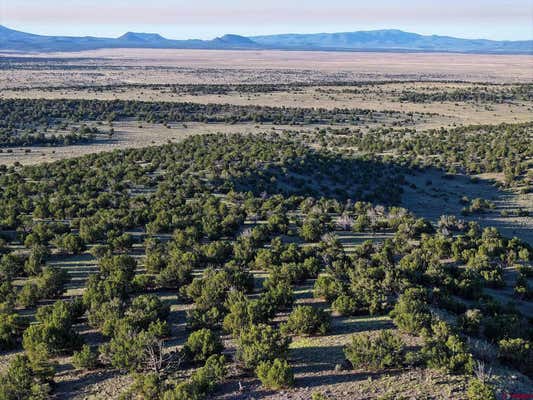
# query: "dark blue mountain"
391, 40
142, 37
380, 40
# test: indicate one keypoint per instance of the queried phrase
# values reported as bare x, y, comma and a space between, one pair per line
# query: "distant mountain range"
379, 40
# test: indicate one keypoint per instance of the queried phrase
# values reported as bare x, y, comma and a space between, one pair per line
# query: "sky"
206, 19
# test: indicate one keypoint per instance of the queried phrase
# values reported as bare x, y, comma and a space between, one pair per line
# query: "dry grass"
196, 66
128, 134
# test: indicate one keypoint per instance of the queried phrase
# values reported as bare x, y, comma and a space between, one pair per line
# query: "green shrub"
28, 296
312, 267
130, 349
445, 350
522, 289
307, 320
470, 284
479, 390
143, 282
260, 343
275, 374
85, 358
264, 260
53, 334
145, 387
204, 318
505, 326
277, 295
100, 251
209, 294
160, 329
244, 312
289, 272
312, 228
326, 287
414, 264
239, 277
184, 391
369, 286
145, 309
35, 262
155, 261
411, 312
375, 353
11, 265
105, 316
11, 328
20, 381
414, 359
114, 280
76, 307
517, 353
202, 344
346, 305
201, 383
7, 297
470, 322
216, 252
69, 243
212, 373
50, 282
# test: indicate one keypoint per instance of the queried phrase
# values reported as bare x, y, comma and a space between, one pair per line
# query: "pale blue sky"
178, 19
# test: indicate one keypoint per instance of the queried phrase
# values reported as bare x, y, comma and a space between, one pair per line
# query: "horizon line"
269, 34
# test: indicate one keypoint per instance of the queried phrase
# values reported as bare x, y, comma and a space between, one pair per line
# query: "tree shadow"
322, 174
90, 335
430, 193
316, 357
343, 325
339, 377
427, 192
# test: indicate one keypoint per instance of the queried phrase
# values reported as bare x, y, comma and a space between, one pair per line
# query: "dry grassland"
100, 67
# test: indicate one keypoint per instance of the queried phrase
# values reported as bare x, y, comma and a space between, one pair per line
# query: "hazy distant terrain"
378, 40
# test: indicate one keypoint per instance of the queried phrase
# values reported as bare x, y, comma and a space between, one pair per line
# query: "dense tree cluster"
473, 149
482, 94
24, 121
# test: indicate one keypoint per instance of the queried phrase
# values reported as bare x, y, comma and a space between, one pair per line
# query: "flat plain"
218, 67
